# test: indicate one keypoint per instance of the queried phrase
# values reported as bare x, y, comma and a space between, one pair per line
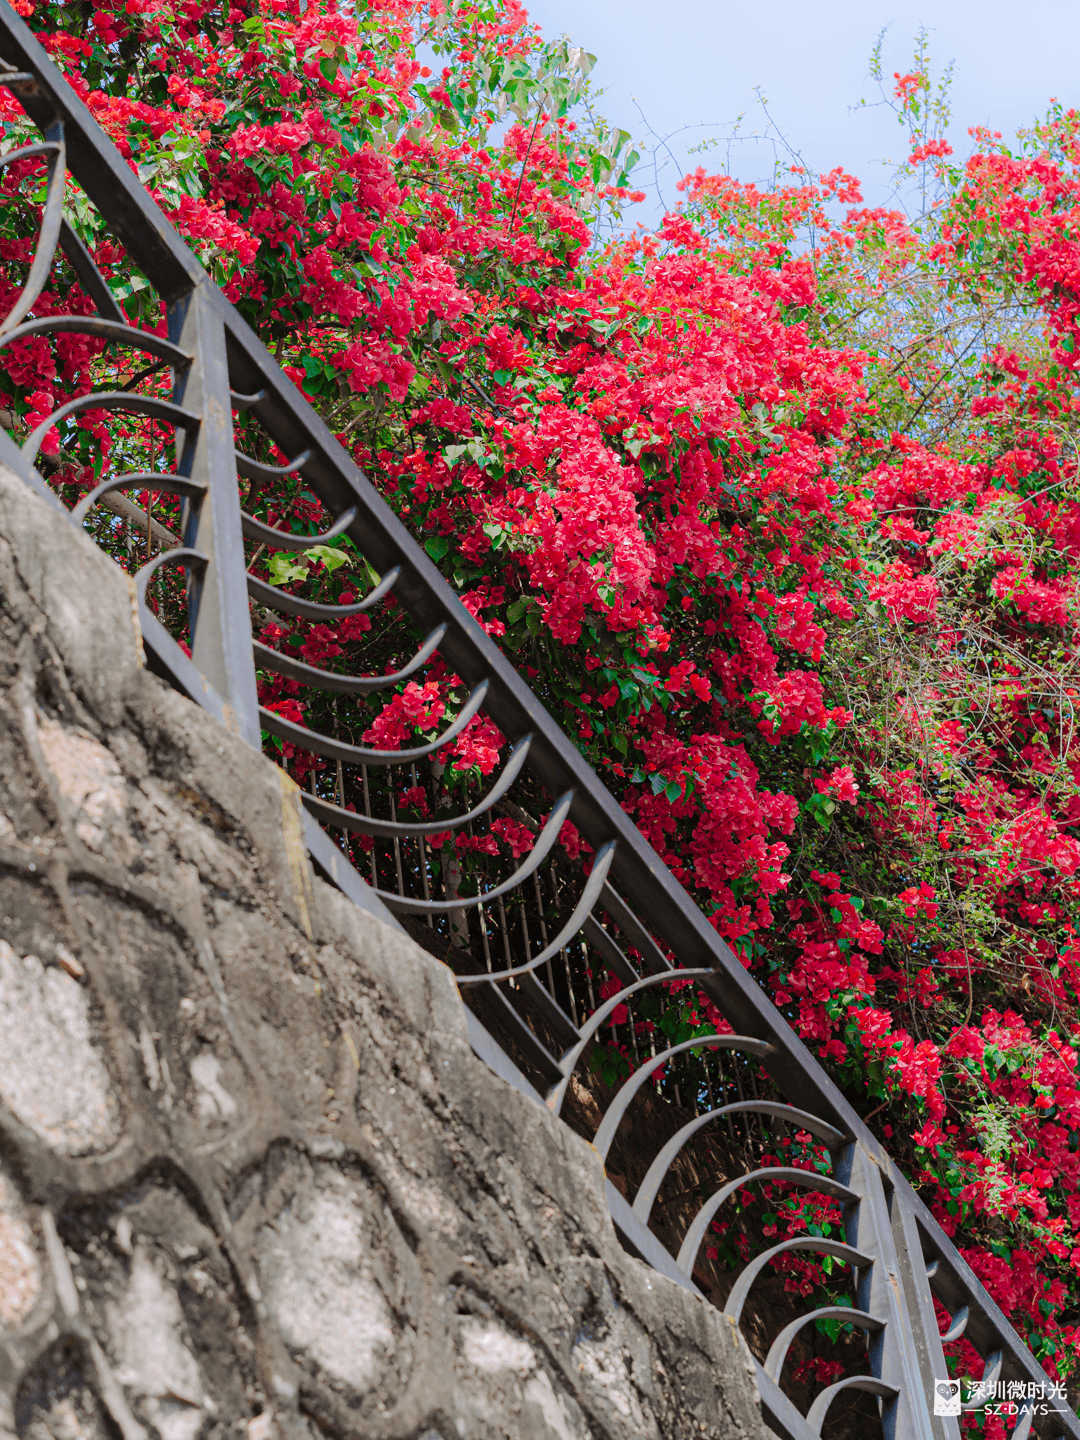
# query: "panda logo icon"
946, 1397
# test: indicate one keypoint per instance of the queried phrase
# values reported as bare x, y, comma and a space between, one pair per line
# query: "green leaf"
331, 556
437, 546
284, 570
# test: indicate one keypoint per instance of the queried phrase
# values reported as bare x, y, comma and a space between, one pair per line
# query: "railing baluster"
484, 938
219, 617
504, 930
912, 1273
367, 812
881, 1293
397, 842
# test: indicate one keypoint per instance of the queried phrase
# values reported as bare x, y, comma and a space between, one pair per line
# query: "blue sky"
691, 63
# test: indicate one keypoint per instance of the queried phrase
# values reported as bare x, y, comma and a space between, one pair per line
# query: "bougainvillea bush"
776, 506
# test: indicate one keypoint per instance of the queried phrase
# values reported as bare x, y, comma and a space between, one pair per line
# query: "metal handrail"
629, 906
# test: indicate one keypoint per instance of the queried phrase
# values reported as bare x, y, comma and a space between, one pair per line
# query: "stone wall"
253, 1181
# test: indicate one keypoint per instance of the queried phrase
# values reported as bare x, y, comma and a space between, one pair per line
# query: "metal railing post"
894, 1357
922, 1321
220, 621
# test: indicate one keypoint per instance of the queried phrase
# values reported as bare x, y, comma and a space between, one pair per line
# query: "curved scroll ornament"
246, 402
815, 1244
189, 559
845, 1314
537, 855
252, 469
117, 331
809, 1179
957, 1325
601, 865
1023, 1425
344, 684
285, 604
51, 218
331, 749
329, 814
616, 1111
121, 400
992, 1368
654, 1176
139, 480
815, 1416
286, 539
587, 1032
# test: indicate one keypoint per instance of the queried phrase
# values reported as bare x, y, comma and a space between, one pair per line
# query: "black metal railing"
582, 970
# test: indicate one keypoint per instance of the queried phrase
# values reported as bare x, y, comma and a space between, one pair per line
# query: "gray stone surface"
253, 1181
